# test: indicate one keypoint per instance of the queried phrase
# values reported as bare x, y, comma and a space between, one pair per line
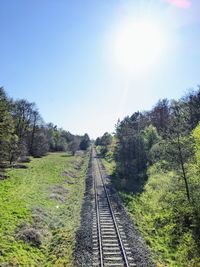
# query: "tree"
159, 115
6, 125
16, 149
40, 145
105, 141
130, 154
151, 141
150, 136
25, 118
98, 141
196, 136
192, 100
74, 144
178, 144
35, 120
85, 142
22, 115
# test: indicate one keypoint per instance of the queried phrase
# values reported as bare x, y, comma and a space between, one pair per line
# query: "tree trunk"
183, 170
33, 135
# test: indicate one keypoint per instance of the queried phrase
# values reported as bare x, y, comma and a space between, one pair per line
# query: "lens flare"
139, 45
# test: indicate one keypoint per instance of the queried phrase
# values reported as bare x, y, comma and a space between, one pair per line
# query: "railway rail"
110, 246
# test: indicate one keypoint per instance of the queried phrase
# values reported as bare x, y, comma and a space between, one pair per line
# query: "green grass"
46, 197
158, 213
109, 165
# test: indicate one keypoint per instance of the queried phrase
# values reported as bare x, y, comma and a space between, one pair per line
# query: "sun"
139, 45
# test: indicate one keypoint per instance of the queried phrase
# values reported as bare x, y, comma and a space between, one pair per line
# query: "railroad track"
110, 246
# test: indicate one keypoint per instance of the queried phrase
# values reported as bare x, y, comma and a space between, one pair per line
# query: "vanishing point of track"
110, 246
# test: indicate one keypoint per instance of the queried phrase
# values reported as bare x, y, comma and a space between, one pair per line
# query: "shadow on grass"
134, 184
2, 176
19, 166
15, 166
66, 156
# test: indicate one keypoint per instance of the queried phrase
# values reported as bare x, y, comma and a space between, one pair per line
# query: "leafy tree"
105, 142
16, 149
23, 132
151, 142
196, 136
36, 120
130, 154
106, 139
6, 125
98, 141
178, 144
40, 144
163, 145
25, 117
159, 115
85, 142
74, 144
194, 169
192, 100
22, 115
57, 138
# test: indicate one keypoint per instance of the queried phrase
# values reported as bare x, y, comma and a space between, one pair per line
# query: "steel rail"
113, 217
98, 225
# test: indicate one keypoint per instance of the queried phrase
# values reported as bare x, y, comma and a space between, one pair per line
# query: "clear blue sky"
59, 54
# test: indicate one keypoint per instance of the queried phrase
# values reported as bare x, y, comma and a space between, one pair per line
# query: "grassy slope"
153, 214
109, 165
143, 216
45, 199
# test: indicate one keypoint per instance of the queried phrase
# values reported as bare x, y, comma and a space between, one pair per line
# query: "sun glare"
139, 45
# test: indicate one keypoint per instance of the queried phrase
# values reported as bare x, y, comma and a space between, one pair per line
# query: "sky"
88, 63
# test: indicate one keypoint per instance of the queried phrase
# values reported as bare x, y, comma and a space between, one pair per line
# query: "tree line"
161, 134
24, 133
165, 142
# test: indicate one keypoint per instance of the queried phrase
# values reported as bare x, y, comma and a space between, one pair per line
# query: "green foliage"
85, 142
130, 153
104, 143
168, 222
157, 159
23, 132
58, 139
6, 125
151, 141
163, 216
150, 136
105, 140
13, 149
43, 200
193, 100
196, 136
74, 144
40, 145
159, 116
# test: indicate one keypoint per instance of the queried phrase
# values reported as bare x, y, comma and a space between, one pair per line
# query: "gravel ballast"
83, 249
137, 244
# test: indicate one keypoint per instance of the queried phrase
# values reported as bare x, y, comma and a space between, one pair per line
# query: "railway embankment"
107, 235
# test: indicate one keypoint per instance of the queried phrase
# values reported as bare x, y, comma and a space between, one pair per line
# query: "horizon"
88, 65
